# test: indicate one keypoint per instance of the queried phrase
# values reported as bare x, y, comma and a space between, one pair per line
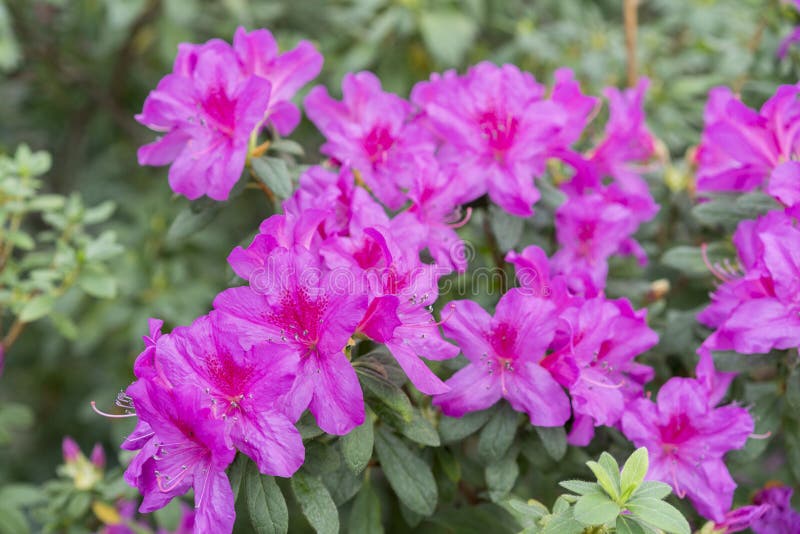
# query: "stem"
497, 254
13, 333
630, 18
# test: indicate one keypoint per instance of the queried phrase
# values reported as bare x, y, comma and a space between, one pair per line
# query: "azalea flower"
593, 356
741, 148
207, 114
498, 130
371, 131
505, 354
187, 449
686, 438
243, 388
215, 98
758, 310
299, 311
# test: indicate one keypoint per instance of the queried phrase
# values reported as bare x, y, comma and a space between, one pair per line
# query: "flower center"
498, 129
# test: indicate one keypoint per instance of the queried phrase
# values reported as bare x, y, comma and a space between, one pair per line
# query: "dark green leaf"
274, 173
410, 477
447, 35
501, 475
98, 282
365, 516
265, 503
12, 521
383, 395
190, 221
36, 308
453, 429
498, 434
554, 440
316, 503
357, 446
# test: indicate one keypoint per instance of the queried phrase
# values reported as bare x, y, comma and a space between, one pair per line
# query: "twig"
630, 17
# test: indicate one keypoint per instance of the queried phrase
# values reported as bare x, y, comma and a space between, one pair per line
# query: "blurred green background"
74, 72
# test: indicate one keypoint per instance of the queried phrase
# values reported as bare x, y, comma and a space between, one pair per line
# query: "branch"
630, 17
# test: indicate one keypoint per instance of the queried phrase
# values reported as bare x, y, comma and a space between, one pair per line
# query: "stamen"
765, 435
678, 491
109, 415
724, 272
452, 308
465, 220
601, 385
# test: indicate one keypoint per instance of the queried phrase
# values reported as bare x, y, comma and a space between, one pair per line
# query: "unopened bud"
70, 450
98, 457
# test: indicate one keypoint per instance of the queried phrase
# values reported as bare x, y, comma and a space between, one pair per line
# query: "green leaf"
633, 472
527, 513
554, 440
605, 479
498, 434
562, 522
265, 503
365, 515
689, 260
409, 476
190, 221
236, 473
357, 446
20, 240
595, 509
447, 34
316, 503
581, 487
18, 495
97, 282
420, 430
12, 521
383, 395
99, 213
287, 146
658, 514
274, 173
507, 229
36, 308
652, 489
502, 475
65, 325
792, 394
626, 525
452, 429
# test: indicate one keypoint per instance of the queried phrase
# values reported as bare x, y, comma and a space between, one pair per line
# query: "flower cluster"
216, 100
744, 150
343, 265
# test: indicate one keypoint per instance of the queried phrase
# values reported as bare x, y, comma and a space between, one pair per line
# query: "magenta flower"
401, 292
686, 438
590, 229
593, 356
70, 450
740, 519
534, 275
242, 387
505, 354
286, 72
740, 147
433, 216
498, 130
207, 110
370, 131
759, 310
779, 517
215, 98
187, 450
299, 310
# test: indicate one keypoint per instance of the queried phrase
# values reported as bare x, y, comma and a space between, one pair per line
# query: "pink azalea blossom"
370, 130
299, 310
498, 130
401, 292
687, 437
433, 216
215, 98
593, 356
505, 354
758, 310
243, 388
740, 147
207, 114
780, 517
286, 72
187, 449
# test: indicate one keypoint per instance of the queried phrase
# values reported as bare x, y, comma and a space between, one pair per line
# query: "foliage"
77, 72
